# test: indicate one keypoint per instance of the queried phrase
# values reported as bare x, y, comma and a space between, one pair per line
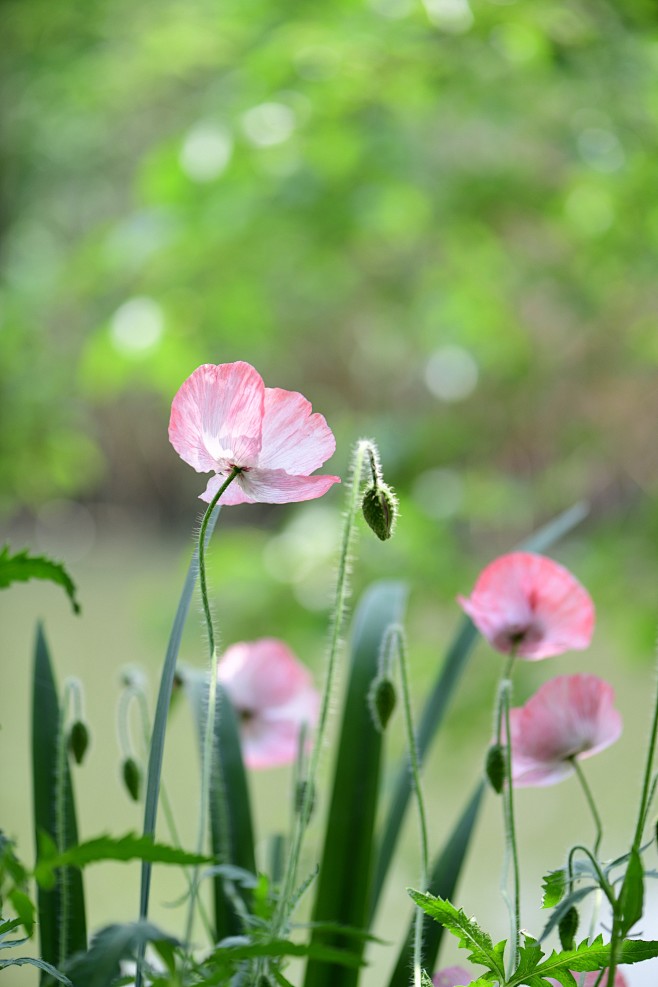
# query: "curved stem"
591, 803
209, 733
604, 884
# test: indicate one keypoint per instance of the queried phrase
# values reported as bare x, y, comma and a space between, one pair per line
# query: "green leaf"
344, 884
128, 847
156, 752
587, 957
554, 886
470, 935
24, 908
61, 910
438, 701
100, 965
23, 567
231, 827
40, 964
442, 883
631, 896
9, 925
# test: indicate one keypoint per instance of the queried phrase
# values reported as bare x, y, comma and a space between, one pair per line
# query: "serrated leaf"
587, 957
469, 933
638, 950
554, 885
21, 567
631, 896
41, 964
128, 847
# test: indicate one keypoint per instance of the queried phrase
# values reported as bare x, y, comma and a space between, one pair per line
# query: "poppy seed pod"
78, 741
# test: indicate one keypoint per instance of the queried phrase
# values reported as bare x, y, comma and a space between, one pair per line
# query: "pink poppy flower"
224, 416
452, 976
273, 695
530, 605
571, 716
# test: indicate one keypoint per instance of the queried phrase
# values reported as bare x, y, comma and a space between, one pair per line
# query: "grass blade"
439, 699
61, 910
343, 891
156, 752
443, 881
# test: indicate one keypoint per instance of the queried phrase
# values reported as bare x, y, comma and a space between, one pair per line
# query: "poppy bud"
380, 509
301, 796
78, 741
567, 928
382, 699
132, 777
495, 767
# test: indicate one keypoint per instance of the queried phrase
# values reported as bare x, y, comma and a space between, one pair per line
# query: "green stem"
647, 781
363, 447
395, 636
591, 803
60, 824
137, 693
510, 828
604, 884
209, 734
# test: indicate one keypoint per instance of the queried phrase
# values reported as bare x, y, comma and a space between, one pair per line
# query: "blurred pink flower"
224, 416
273, 695
452, 976
530, 605
569, 716
591, 978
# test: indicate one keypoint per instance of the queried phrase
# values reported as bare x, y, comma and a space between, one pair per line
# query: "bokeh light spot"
137, 326
451, 373
268, 124
206, 152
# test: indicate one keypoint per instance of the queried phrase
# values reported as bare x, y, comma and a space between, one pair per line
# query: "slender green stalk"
362, 449
591, 803
60, 826
645, 799
396, 638
604, 884
209, 734
510, 827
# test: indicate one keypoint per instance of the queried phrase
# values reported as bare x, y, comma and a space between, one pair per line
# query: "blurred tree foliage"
437, 219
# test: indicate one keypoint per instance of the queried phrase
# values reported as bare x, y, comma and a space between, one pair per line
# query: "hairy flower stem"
511, 851
648, 788
590, 802
209, 733
395, 639
362, 449
60, 827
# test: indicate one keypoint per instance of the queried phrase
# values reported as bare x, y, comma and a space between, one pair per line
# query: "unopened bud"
567, 928
305, 793
78, 741
382, 699
132, 777
380, 509
495, 767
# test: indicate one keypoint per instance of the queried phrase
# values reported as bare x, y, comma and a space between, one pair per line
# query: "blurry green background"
437, 220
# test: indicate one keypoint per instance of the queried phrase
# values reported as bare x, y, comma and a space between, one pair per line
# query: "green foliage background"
371, 201
335, 194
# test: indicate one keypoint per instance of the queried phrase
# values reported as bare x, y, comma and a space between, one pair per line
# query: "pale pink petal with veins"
571, 716
217, 416
530, 605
